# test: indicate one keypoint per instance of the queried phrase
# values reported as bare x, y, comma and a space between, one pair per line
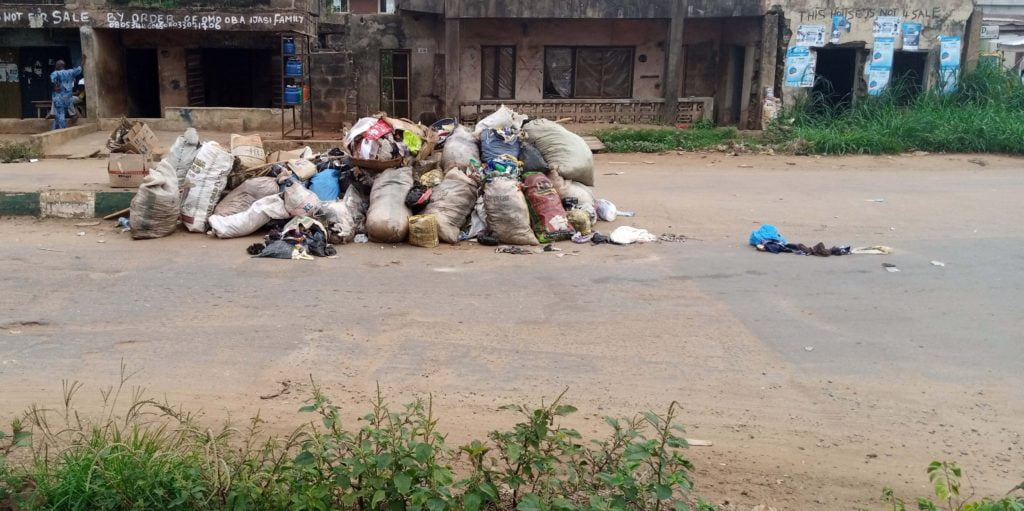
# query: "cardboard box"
127, 170
141, 139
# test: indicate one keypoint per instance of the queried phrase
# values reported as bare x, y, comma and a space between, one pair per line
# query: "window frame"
497, 62
575, 52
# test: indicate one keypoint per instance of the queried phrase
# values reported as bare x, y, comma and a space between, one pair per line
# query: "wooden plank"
595, 144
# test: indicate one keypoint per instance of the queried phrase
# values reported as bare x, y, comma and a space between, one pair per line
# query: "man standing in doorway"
63, 81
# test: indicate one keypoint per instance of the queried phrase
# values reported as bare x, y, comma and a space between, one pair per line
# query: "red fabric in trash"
379, 129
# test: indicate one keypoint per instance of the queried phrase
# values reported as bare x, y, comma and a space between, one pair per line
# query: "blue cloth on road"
767, 232
63, 83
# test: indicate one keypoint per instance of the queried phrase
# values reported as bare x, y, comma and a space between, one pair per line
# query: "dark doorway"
35, 66
738, 57
394, 82
835, 72
907, 79
241, 78
143, 80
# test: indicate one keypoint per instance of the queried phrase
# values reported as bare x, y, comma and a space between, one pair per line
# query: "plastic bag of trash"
567, 188
477, 221
250, 191
500, 120
341, 225
565, 152
182, 153
549, 219
204, 182
493, 145
326, 184
387, 220
626, 235
155, 208
606, 211
298, 200
423, 231
302, 168
248, 150
460, 150
451, 202
357, 203
251, 220
508, 215
532, 160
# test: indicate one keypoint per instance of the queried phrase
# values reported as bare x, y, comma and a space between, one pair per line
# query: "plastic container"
288, 46
292, 95
293, 68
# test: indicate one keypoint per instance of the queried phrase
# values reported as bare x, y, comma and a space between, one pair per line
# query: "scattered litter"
745, 166
938, 263
124, 224
627, 235
872, 250
606, 211
693, 442
285, 389
101, 241
551, 248
80, 233
446, 269
87, 224
582, 238
361, 238
672, 238
614, 173
649, 163
874, 200
49, 249
978, 161
808, 348
33, 160
513, 250
627, 214
889, 267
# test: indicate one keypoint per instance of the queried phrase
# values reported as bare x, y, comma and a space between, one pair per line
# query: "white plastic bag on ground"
477, 220
508, 215
203, 184
248, 150
502, 118
250, 191
181, 154
387, 221
626, 235
452, 202
341, 226
566, 152
249, 221
358, 204
155, 208
299, 201
460, 149
606, 210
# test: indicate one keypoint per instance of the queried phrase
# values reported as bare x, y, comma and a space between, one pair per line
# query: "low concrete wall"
233, 120
24, 126
49, 141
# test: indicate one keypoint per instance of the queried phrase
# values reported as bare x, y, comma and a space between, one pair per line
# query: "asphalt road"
818, 380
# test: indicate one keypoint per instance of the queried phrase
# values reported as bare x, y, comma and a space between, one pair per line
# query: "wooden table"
42, 108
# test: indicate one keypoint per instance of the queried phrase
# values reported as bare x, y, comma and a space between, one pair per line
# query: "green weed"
946, 478
17, 151
701, 136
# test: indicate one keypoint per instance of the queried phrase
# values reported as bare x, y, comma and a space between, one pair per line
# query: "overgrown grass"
702, 136
16, 151
986, 114
147, 455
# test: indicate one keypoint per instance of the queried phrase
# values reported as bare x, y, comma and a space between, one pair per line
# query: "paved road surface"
818, 380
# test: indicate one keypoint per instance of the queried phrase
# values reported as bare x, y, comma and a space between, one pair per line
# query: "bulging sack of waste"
204, 182
460, 150
251, 220
247, 193
423, 231
248, 150
606, 211
302, 168
155, 208
298, 200
341, 225
494, 145
501, 119
182, 153
358, 205
387, 220
550, 221
532, 160
565, 152
508, 216
451, 203
567, 188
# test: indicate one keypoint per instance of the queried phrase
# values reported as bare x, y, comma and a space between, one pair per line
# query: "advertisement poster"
948, 78
882, 53
839, 25
810, 35
800, 67
878, 79
912, 36
886, 26
949, 51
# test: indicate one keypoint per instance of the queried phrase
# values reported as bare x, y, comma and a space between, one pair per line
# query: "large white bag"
358, 204
204, 182
460, 149
502, 118
341, 224
155, 208
508, 215
181, 154
566, 152
387, 221
250, 191
249, 221
451, 202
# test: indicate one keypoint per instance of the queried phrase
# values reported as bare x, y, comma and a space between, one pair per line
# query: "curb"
64, 203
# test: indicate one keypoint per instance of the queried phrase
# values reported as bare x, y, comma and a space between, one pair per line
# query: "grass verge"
702, 136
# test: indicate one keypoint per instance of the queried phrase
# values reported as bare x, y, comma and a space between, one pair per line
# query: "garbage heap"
509, 181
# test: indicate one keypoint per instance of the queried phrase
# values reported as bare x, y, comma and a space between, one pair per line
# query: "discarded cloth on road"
765, 233
873, 250
819, 250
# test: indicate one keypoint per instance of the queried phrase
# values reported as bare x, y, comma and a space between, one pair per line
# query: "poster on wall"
878, 79
948, 79
8, 72
839, 25
800, 62
886, 26
882, 53
949, 51
912, 36
810, 35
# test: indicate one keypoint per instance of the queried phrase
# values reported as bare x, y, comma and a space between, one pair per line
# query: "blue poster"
949, 51
800, 67
839, 25
881, 54
912, 36
878, 79
948, 79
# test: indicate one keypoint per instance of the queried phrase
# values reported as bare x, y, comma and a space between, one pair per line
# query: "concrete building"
1004, 33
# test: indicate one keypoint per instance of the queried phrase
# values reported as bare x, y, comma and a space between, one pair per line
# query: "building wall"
647, 36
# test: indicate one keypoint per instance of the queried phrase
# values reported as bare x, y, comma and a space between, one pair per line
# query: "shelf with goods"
295, 85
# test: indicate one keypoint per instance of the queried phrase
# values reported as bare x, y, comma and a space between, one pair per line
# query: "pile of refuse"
510, 181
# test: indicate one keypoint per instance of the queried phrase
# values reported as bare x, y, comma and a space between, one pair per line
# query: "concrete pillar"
105, 87
92, 86
673, 63
748, 78
452, 58
972, 41
769, 64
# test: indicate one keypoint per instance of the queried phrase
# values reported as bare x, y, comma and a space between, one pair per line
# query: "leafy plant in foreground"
946, 480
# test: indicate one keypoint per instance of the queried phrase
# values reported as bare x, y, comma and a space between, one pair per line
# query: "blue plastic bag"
767, 232
325, 184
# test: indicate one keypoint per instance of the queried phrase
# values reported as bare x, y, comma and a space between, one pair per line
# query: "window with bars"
498, 72
588, 72
394, 82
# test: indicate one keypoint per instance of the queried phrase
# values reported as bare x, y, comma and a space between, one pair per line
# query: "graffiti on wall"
867, 13
39, 18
